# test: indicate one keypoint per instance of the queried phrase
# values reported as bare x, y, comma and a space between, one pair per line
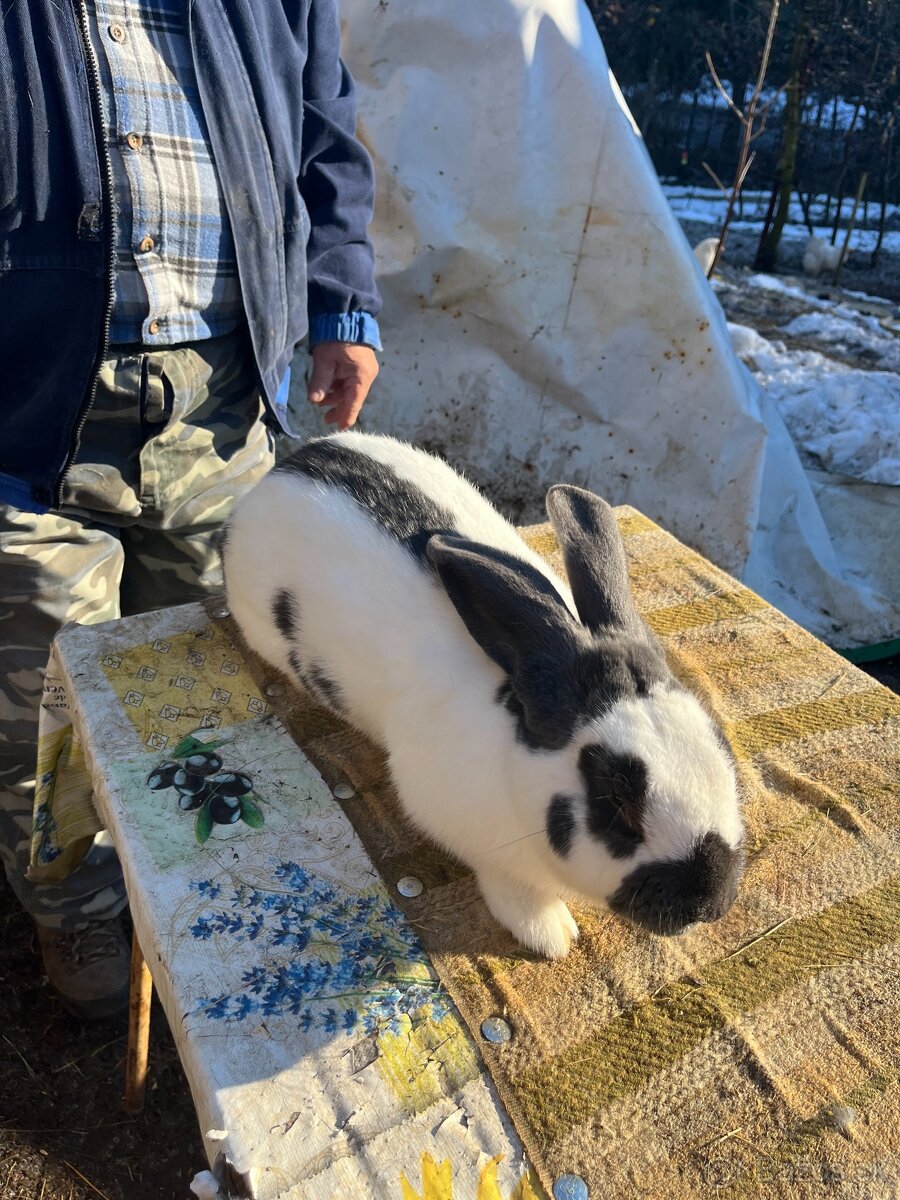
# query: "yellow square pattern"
172, 686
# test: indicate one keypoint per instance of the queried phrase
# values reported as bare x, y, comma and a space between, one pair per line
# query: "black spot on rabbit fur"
560, 825
286, 612
616, 793
581, 682
665, 897
315, 680
398, 506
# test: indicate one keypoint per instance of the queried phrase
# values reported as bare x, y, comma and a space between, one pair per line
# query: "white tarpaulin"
544, 316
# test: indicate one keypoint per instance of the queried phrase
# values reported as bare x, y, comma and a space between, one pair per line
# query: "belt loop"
155, 407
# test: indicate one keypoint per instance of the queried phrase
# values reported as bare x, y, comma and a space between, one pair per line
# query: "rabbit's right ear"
595, 559
520, 621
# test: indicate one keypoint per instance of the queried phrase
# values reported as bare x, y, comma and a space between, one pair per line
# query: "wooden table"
323, 1055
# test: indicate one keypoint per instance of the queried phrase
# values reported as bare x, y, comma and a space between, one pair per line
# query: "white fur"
414, 680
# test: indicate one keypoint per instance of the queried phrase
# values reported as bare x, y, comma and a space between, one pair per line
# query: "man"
182, 200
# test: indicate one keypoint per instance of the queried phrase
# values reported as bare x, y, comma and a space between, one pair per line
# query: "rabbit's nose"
665, 897
715, 907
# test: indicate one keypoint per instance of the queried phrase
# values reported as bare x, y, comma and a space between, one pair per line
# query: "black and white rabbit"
532, 725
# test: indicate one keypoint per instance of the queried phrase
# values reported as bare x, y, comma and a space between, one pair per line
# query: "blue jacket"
298, 187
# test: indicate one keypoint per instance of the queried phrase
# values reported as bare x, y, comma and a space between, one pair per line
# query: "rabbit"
705, 253
532, 726
819, 255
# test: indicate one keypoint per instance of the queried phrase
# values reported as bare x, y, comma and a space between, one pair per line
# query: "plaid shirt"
176, 271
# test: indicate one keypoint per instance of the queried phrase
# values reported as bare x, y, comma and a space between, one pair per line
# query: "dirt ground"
63, 1133
767, 312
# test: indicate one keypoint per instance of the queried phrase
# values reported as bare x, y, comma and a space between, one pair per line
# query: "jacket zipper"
107, 209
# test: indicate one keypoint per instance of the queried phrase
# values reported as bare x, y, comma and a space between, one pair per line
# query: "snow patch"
205, 1186
842, 419
708, 206
850, 334
771, 283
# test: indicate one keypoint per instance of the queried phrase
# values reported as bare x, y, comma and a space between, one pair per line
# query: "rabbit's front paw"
551, 930
541, 922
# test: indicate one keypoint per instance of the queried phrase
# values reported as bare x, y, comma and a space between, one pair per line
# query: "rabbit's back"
328, 577
410, 493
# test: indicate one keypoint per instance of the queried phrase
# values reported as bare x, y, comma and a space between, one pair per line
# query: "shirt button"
153, 327
145, 245
117, 33
135, 141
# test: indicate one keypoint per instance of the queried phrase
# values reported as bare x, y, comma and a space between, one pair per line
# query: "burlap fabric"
754, 1057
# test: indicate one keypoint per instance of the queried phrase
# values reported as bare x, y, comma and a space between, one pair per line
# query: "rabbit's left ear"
595, 560
519, 620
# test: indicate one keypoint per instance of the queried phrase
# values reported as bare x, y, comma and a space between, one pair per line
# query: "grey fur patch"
401, 509
619, 668
520, 621
559, 675
577, 687
666, 897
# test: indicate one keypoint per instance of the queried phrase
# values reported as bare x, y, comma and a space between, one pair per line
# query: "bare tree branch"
721, 88
746, 171
748, 123
714, 177
864, 179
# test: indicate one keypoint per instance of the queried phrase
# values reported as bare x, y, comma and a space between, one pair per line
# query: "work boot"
90, 968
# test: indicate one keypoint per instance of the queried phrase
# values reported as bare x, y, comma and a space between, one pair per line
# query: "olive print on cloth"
172, 687
219, 797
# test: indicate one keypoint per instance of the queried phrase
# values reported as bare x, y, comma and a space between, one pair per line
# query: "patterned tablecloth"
330, 1027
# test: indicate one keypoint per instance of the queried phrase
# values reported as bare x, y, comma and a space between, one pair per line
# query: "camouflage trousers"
173, 438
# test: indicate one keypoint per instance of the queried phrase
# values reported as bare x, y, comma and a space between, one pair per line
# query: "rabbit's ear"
595, 559
520, 621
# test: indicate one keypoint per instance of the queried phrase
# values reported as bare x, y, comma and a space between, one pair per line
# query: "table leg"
140, 995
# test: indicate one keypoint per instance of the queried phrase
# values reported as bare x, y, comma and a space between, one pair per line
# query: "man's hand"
341, 376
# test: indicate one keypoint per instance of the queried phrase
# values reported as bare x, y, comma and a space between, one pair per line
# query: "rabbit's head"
619, 772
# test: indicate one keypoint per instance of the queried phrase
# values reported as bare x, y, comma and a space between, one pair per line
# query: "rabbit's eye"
616, 791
